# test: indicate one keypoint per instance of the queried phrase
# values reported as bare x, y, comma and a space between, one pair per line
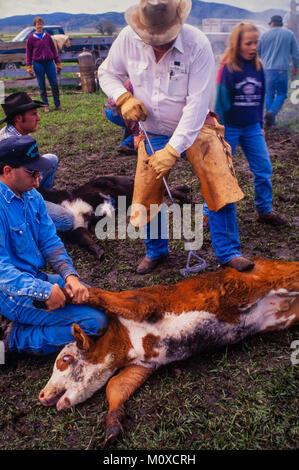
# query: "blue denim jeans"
43, 68
156, 241
115, 117
223, 225
255, 149
254, 146
48, 176
63, 218
276, 90
42, 332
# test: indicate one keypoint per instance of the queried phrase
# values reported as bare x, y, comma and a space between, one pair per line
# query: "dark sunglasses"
33, 173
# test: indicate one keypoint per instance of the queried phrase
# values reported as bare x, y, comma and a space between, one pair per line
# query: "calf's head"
76, 376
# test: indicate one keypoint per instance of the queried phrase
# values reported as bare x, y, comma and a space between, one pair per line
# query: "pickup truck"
98, 46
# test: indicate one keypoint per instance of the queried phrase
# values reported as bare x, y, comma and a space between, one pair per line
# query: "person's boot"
240, 263
148, 265
269, 119
273, 218
125, 150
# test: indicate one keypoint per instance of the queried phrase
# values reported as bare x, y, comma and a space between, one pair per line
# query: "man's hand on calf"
77, 291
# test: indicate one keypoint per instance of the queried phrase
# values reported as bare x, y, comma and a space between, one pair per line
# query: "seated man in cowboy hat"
22, 118
28, 241
171, 68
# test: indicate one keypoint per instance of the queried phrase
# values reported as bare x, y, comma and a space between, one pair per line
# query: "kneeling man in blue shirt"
28, 241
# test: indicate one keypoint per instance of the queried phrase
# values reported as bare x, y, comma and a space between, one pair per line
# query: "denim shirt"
28, 240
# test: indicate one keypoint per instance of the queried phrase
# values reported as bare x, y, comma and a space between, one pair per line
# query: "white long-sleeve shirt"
176, 90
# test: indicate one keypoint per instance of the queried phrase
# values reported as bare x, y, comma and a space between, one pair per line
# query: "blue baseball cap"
22, 151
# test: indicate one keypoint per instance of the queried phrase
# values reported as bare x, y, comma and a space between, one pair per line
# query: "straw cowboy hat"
158, 22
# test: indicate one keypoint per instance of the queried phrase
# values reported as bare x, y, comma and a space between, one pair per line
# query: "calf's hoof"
112, 432
97, 252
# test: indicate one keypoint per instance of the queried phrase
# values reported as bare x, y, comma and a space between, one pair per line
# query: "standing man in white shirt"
171, 68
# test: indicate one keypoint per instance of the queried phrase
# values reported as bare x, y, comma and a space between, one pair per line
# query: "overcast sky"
21, 7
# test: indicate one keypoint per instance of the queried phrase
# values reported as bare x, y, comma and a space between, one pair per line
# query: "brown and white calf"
98, 196
157, 325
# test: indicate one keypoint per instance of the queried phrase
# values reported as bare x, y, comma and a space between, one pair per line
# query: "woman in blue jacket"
239, 104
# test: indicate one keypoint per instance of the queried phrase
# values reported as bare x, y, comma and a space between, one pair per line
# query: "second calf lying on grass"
101, 194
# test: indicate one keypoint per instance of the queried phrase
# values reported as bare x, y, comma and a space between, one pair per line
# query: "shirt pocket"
178, 84
138, 73
19, 238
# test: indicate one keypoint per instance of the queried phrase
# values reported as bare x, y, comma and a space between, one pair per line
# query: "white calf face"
74, 379
80, 210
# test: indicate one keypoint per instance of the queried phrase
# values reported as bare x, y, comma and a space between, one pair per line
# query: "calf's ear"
81, 338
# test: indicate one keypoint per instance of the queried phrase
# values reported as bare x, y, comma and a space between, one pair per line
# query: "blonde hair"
232, 55
38, 19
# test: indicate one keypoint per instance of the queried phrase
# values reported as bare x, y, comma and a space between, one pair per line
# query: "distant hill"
86, 22
70, 22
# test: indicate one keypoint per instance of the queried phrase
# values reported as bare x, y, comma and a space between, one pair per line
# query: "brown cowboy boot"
273, 218
148, 265
240, 264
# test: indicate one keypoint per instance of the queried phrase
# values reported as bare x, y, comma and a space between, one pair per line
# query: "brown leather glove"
130, 108
162, 160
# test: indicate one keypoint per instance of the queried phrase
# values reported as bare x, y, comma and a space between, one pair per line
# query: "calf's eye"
64, 361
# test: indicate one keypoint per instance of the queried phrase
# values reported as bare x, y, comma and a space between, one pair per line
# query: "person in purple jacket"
239, 104
42, 54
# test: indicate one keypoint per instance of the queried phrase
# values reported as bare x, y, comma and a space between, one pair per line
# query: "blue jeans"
115, 117
255, 149
48, 176
254, 146
276, 90
43, 68
42, 332
62, 218
156, 241
223, 225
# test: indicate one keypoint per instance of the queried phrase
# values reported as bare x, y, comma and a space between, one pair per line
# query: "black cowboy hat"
19, 103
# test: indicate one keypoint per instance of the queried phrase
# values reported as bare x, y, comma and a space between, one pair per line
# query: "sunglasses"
33, 173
